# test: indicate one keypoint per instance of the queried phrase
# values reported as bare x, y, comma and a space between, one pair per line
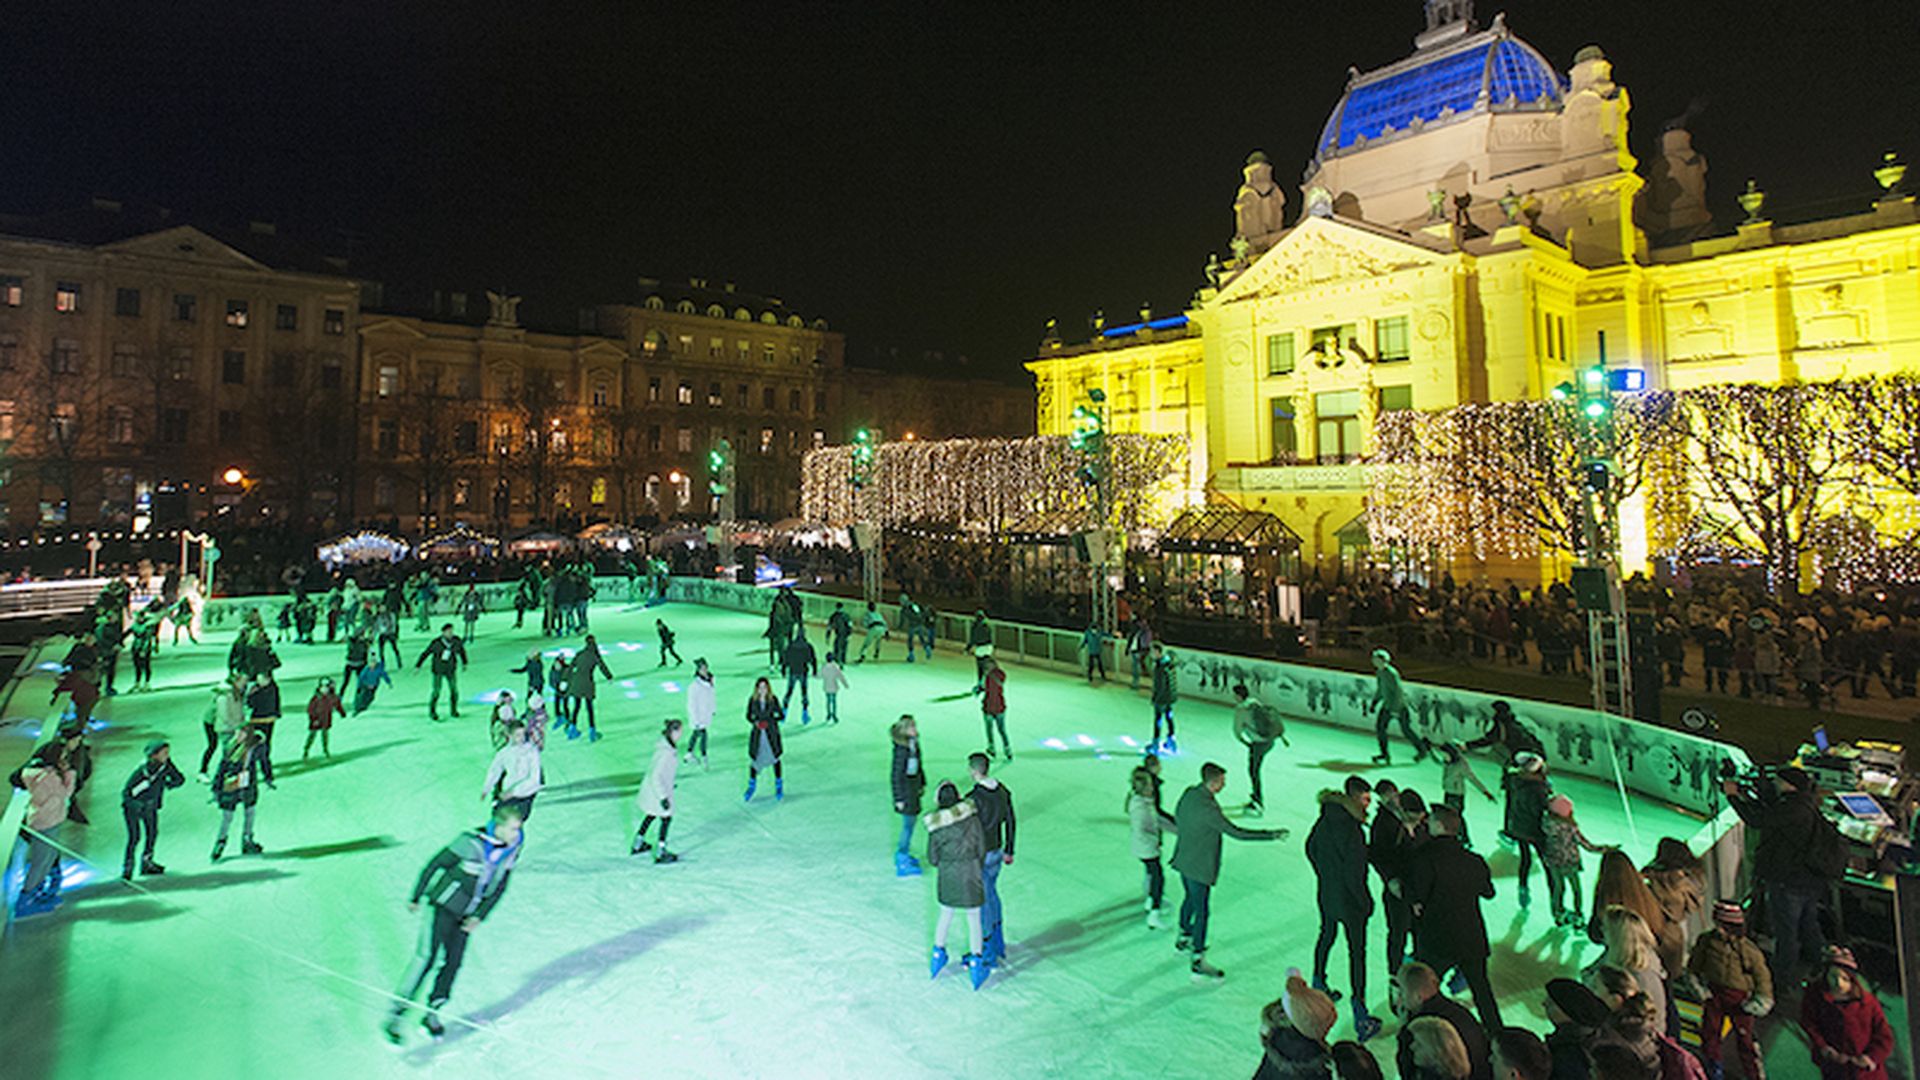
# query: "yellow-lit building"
1474, 229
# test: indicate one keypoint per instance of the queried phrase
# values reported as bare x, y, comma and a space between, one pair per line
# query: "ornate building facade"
1474, 230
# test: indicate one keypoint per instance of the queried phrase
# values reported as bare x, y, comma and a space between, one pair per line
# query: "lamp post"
1089, 438
867, 529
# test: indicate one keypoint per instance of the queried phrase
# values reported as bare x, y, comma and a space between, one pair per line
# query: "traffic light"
1596, 474
719, 467
866, 445
1088, 439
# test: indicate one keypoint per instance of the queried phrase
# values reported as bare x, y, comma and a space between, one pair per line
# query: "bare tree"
1882, 430
542, 408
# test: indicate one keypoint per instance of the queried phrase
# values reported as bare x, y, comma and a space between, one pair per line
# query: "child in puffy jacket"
1736, 984
1149, 821
1845, 1025
1561, 844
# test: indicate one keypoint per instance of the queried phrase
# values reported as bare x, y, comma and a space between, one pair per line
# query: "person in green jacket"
1196, 856
1166, 691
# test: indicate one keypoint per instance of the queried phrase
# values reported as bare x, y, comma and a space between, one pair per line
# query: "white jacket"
656, 791
700, 703
1147, 826
226, 712
516, 768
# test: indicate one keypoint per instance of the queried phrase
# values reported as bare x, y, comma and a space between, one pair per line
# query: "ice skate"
751, 784
573, 731
665, 856
1204, 972
805, 716
594, 735
978, 968
640, 847
1154, 921
1365, 1026
432, 1023
938, 961
1382, 759
779, 788
391, 1029
904, 865
248, 847
219, 849
1169, 746
1254, 809
152, 869
1183, 943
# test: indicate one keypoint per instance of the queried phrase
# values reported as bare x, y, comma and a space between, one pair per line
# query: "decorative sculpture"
1891, 175
1259, 207
505, 309
1751, 200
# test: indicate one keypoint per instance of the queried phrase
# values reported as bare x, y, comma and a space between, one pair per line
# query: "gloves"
1757, 1005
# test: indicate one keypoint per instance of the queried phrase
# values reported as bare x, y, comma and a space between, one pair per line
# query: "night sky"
925, 177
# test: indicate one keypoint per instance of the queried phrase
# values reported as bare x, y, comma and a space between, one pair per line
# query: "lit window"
462, 491
66, 422
389, 384
766, 352
653, 342
602, 393
1279, 354
683, 491
126, 302
686, 392
714, 348
66, 297
653, 389
180, 365
13, 291
558, 442
597, 494
686, 345
237, 313
286, 317
766, 440
1390, 340
714, 397
1286, 444
6, 419
684, 441
1337, 423
819, 439
745, 350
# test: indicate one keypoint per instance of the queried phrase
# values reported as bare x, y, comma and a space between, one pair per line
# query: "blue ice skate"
805, 716
977, 969
905, 865
751, 784
938, 961
779, 788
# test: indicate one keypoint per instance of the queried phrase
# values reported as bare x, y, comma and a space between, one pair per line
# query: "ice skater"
236, 785
144, 643
535, 671
1337, 849
461, 885
322, 707
1456, 772
1389, 703
656, 793
1166, 691
356, 658
559, 675
1256, 724
980, 644
839, 629
764, 714
1561, 842
1149, 822
909, 782
701, 703
1093, 642
799, 661
513, 776
580, 686
449, 655
367, 684
993, 704
503, 712
536, 720
140, 800
470, 609
995, 805
666, 643
833, 679
876, 630
226, 714
50, 778
955, 847
1199, 825
263, 713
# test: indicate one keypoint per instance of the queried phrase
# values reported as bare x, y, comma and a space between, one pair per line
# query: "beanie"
1560, 806
156, 746
1311, 1011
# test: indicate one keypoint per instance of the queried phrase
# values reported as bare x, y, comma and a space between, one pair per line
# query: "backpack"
1826, 855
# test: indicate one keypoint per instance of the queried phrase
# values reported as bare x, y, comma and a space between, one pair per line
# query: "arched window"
684, 307
741, 314
654, 303
715, 311
796, 322
769, 318
654, 342
819, 324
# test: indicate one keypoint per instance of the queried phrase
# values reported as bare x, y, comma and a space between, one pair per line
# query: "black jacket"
448, 655
1787, 826
1527, 795
1445, 884
468, 876
799, 658
840, 624
1471, 1033
996, 815
909, 777
1337, 848
1390, 846
149, 783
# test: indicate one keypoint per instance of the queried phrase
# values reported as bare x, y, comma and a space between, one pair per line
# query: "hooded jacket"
956, 847
656, 791
1337, 848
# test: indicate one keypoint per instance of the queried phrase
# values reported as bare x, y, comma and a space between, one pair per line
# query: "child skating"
955, 848
1455, 774
993, 704
1560, 847
909, 782
666, 643
140, 802
535, 671
322, 707
833, 679
368, 684
656, 794
1149, 822
701, 704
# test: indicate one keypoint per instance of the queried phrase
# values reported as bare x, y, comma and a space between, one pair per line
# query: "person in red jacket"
1845, 1025
993, 705
322, 707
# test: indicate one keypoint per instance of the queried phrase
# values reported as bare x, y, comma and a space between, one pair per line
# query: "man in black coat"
1445, 884
800, 662
1337, 848
140, 800
1399, 831
1789, 825
448, 656
839, 629
461, 884
1416, 994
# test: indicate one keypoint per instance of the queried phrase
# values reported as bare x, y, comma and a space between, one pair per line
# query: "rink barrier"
14, 816
1674, 767
225, 612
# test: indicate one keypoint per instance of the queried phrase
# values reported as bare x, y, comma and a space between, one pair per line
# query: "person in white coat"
700, 706
514, 776
1149, 822
656, 793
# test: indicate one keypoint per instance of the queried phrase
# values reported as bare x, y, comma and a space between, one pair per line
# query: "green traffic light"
1596, 409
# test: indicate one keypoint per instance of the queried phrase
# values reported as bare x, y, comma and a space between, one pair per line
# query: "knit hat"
1560, 806
1841, 956
1728, 913
1382, 656
1581, 1005
1311, 1011
1528, 761
155, 746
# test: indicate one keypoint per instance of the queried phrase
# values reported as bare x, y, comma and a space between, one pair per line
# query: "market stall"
362, 548
459, 544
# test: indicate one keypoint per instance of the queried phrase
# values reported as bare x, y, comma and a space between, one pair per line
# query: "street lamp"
233, 476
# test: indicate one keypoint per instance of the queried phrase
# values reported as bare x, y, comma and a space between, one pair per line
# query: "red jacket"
1851, 1027
994, 700
321, 709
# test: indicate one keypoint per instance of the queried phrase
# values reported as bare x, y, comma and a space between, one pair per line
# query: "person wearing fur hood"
956, 845
656, 793
1293, 1032
1337, 848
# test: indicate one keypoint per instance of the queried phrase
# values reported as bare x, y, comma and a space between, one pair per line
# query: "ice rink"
781, 945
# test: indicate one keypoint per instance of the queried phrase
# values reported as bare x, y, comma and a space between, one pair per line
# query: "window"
819, 439
173, 426
180, 365
502, 437
466, 437
597, 493
330, 375
334, 321
1329, 340
66, 297
286, 317
653, 389
559, 443
126, 360
686, 345
233, 367
65, 422
686, 392
463, 487
1396, 398
684, 441
793, 354
389, 384
653, 437
1286, 439
230, 427
766, 440
9, 352
766, 398
1279, 354
185, 307
13, 290
467, 385
714, 397
766, 352
745, 351
819, 402
386, 436
66, 357
602, 392
1390, 340
286, 369
602, 442
383, 492
740, 396
126, 302
120, 424
237, 314
683, 491
714, 348
653, 342
6, 420
793, 401
1337, 415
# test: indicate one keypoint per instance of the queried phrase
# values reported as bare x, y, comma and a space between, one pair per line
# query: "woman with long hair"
764, 714
1678, 880
1620, 882
1631, 948
656, 792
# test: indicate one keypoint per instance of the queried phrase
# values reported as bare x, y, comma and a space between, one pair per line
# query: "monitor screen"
1862, 805
1820, 740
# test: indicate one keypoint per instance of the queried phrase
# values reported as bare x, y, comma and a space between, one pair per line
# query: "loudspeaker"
1590, 588
1644, 656
1091, 546
862, 535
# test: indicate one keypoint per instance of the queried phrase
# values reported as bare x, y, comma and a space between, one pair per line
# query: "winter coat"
1166, 689
909, 778
580, 675
49, 791
448, 655
1527, 794
1849, 1027
469, 875
263, 703
1148, 823
832, 678
1292, 1056
1199, 824
995, 806
1680, 893
656, 791
321, 709
536, 674
700, 703
225, 713
148, 785
1337, 848
993, 696
1787, 827
1445, 884
514, 772
799, 658
236, 782
978, 634
1255, 721
956, 847
1731, 962
1472, 1035
765, 718
1561, 842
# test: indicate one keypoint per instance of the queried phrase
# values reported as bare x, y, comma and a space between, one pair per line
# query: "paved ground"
782, 946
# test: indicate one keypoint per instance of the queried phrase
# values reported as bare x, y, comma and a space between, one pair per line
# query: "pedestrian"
535, 670
580, 685
1561, 842
322, 707
1399, 830
909, 782
764, 714
1628, 945
1389, 703
876, 630
799, 661
356, 658
470, 608
666, 643
993, 705
226, 714
1256, 724
514, 775
1337, 850
833, 679
50, 778
1140, 649
1166, 691
1149, 821
1199, 825
236, 785
701, 704
1293, 1033
839, 629
1445, 884
995, 805
1845, 1026
1527, 790
367, 684
980, 644
956, 841
1419, 1000
449, 655
1093, 643
1677, 878
263, 714
559, 677
462, 884
140, 800
656, 793
1455, 774
1737, 987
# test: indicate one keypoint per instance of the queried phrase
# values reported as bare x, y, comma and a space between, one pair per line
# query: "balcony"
1248, 479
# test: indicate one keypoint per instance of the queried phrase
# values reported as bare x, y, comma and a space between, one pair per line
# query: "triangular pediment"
379, 324
609, 349
184, 243
1321, 250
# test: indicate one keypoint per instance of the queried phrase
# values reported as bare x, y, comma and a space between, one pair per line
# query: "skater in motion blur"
461, 885
955, 847
322, 707
666, 643
764, 714
656, 794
